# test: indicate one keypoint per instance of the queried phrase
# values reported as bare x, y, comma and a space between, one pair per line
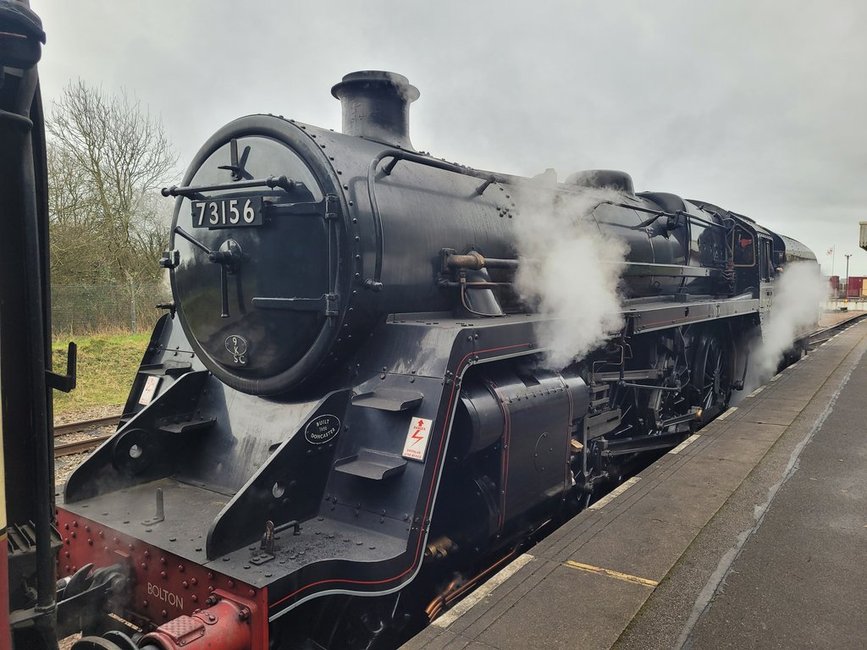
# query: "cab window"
743, 248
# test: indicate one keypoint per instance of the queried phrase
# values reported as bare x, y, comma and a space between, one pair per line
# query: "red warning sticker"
416, 439
150, 388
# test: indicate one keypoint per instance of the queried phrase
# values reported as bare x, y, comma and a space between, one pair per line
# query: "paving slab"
571, 609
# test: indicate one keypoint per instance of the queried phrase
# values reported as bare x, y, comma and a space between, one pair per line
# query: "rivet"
194, 581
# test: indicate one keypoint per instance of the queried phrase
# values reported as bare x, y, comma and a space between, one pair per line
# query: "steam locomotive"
345, 420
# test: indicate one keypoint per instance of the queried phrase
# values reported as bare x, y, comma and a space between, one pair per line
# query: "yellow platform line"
625, 577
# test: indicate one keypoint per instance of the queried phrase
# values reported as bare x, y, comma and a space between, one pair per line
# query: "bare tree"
108, 155
74, 234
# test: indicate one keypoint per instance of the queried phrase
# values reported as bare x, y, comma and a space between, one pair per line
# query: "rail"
819, 336
87, 444
79, 446
75, 427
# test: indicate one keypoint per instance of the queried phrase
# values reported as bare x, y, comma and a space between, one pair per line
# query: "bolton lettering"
166, 596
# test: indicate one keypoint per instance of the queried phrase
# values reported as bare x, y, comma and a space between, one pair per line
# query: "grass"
107, 364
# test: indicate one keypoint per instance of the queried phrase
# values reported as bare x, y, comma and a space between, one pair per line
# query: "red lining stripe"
433, 482
504, 472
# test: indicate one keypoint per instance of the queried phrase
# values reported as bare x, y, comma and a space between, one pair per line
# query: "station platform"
751, 533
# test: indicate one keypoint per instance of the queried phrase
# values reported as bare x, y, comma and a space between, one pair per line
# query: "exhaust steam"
798, 300
569, 270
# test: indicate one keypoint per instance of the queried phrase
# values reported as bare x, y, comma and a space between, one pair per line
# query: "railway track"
820, 336
85, 425
81, 446
84, 445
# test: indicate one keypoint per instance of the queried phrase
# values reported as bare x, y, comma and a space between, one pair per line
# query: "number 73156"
227, 213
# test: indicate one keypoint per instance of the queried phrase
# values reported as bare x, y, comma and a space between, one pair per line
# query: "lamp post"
847, 256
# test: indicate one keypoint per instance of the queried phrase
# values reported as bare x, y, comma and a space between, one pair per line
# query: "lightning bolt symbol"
416, 435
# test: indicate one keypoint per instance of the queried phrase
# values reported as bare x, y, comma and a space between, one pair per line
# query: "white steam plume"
569, 270
798, 299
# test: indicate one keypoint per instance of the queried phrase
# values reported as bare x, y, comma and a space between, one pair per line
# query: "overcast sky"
758, 107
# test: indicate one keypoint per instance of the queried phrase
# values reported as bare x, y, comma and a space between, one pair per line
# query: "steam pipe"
476, 261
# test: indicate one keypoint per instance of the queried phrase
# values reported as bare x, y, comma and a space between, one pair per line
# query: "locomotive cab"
753, 261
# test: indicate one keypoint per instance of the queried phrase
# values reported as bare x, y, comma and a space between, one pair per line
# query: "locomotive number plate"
227, 213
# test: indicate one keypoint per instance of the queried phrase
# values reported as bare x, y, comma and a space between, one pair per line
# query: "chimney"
376, 106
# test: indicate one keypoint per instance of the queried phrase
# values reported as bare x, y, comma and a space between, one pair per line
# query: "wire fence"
89, 308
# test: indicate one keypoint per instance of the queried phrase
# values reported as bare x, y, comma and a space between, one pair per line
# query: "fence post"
132, 306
